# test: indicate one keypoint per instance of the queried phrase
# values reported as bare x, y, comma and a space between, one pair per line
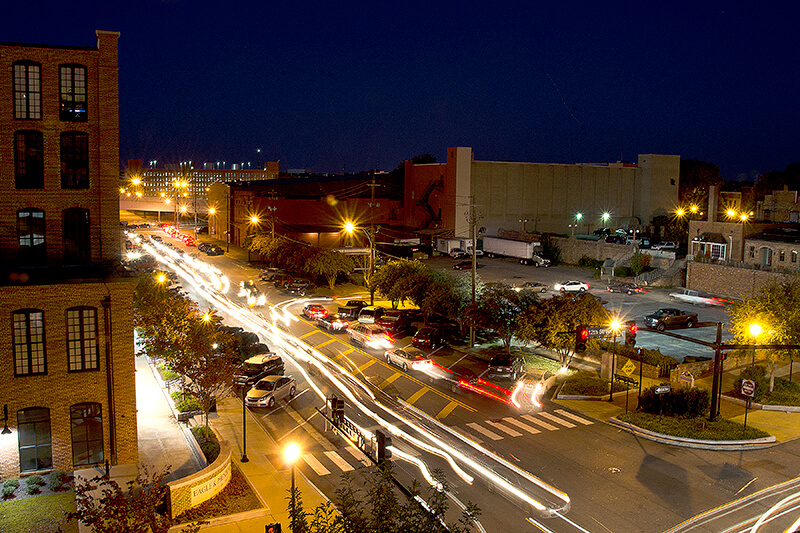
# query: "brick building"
66, 340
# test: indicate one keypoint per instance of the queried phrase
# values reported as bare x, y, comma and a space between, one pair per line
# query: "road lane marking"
522, 425
417, 395
343, 465
505, 429
315, 465
574, 417
327, 342
344, 353
482, 430
313, 332
554, 418
540, 423
390, 379
447, 410
366, 365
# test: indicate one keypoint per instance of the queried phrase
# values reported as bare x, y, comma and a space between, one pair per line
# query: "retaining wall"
193, 490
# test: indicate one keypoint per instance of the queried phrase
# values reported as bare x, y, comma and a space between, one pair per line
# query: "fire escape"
423, 204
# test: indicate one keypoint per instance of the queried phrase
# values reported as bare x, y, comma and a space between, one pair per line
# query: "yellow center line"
447, 410
390, 379
366, 365
417, 395
343, 354
310, 333
327, 342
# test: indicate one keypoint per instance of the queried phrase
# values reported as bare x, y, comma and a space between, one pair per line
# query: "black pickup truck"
351, 310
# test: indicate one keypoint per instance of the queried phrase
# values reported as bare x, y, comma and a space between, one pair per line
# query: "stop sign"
748, 387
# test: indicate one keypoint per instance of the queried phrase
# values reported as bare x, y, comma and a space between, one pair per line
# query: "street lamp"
350, 228
212, 212
291, 454
616, 325
253, 221
755, 331
606, 217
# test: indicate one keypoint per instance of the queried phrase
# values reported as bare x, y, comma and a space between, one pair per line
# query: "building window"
27, 91
782, 256
86, 421
794, 256
28, 339
28, 160
74, 160
77, 237
752, 252
73, 93
82, 338
31, 233
35, 450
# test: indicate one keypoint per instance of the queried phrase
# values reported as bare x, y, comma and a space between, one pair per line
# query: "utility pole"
372, 206
472, 217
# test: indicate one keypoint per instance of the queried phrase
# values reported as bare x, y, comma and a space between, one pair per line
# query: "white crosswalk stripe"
574, 417
480, 429
358, 456
540, 423
526, 427
315, 465
554, 418
343, 465
505, 429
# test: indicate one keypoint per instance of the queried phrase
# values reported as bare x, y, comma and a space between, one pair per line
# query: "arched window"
35, 449
77, 237
82, 346
74, 160
28, 159
86, 422
28, 341
31, 237
27, 90
73, 93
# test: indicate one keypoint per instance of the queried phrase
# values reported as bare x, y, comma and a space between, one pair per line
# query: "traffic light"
337, 410
273, 528
630, 333
384, 442
581, 335
640, 353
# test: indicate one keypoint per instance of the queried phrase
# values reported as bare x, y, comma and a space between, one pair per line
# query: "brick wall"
729, 281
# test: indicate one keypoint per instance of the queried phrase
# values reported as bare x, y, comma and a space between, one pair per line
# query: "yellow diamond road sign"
628, 368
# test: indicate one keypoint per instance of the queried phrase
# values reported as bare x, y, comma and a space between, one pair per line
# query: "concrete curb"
764, 407
730, 445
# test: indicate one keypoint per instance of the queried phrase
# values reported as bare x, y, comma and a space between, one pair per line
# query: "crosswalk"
348, 459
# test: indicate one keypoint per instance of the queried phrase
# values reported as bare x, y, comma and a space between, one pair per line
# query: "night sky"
354, 86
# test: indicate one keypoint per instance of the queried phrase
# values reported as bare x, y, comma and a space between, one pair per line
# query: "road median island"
701, 444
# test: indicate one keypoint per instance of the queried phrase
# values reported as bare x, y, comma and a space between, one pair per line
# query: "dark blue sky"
330, 86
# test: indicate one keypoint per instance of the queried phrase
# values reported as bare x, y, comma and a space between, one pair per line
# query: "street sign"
748, 388
687, 377
599, 331
662, 389
628, 368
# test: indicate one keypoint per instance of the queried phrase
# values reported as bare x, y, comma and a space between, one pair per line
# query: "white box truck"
526, 251
454, 246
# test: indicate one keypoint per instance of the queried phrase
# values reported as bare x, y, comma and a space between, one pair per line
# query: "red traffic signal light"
630, 333
581, 335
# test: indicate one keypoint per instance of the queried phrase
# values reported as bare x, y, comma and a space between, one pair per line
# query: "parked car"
334, 323
466, 265
620, 286
369, 336
407, 358
257, 367
351, 309
668, 245
697, 298
395, 321
270, 389
571, 286
532, 286
281, 280
669, 317
314, 311
458, 253
203, 247
215, 250
300, 287
428, 337
505, 366
370, 314
268, 274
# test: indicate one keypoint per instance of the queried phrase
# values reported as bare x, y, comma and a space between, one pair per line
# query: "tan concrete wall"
729, 281
193, 490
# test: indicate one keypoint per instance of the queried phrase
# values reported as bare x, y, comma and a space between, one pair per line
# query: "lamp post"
755, 331
244, 426
615, 327
212, 213
291, 455
350, 228
523, 221
254, 221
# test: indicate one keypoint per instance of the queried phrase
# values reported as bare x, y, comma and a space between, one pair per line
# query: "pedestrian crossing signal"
384, 443
337, 410
273, 528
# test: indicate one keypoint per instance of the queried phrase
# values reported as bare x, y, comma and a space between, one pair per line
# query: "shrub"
57, 480
169, 375
185, 402
650, 357
35, 479
588, 384
758, 375
688, 403
785, 393
9, 486
589, 262
207, 441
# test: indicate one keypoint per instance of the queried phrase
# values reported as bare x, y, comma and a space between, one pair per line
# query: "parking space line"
327, 342
309, 333
447, 410
390, 379
417, 395
344, 353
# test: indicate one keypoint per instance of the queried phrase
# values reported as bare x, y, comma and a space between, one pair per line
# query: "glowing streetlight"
616, 325
161, 278
731, 213
755, 330
743, 217
254, 219
291, 454
350, 228
680, 212
606, 216
694, 209
212, 211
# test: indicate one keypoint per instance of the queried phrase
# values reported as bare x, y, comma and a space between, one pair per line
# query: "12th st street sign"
748, 388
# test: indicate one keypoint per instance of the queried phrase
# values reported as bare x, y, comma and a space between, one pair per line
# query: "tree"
777, 310
552, 322
639, 262
133, 510
401, 280
498, 308
330, 264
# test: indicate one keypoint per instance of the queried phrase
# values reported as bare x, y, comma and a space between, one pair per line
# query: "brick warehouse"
67, 385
